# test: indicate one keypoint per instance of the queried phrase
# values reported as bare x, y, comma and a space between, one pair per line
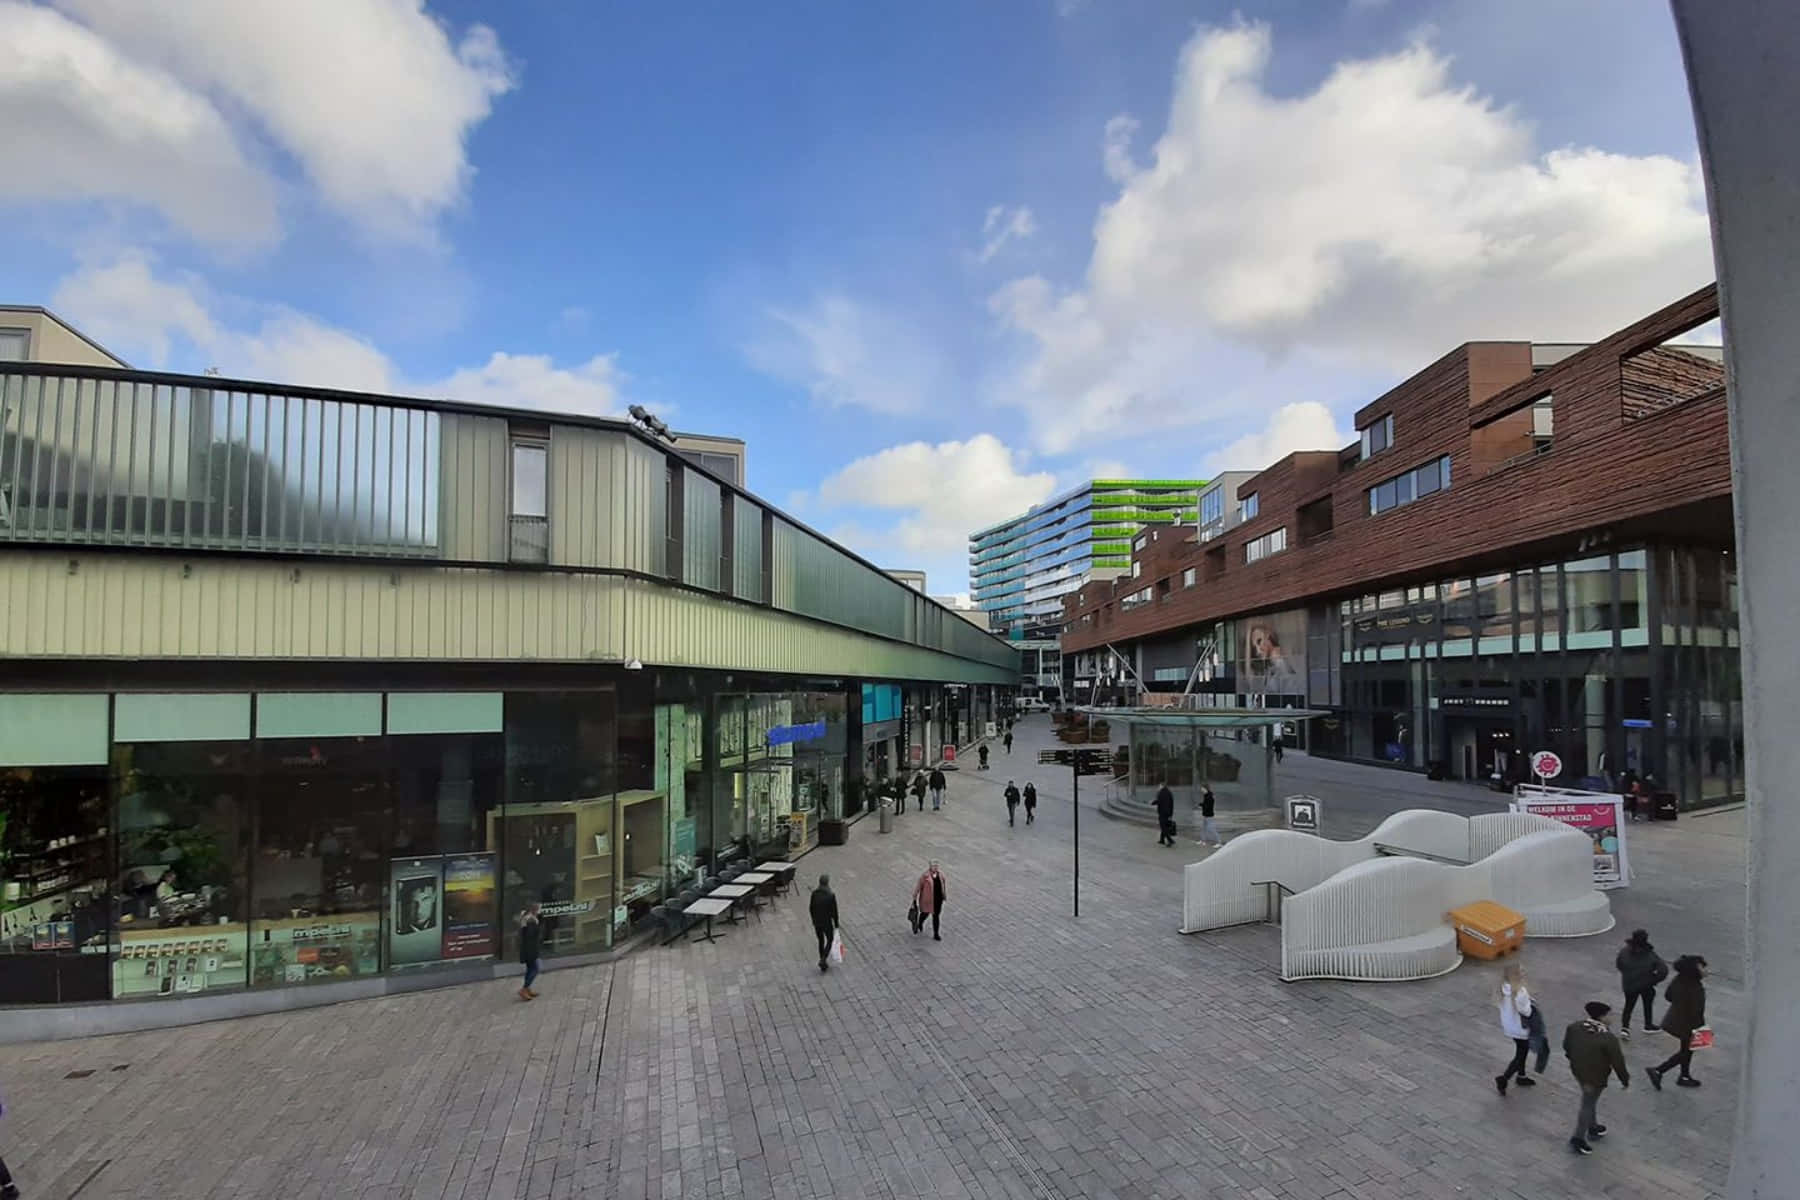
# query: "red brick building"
1528, 547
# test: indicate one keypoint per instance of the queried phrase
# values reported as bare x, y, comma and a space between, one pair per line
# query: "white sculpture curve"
1386, 919
1219, 890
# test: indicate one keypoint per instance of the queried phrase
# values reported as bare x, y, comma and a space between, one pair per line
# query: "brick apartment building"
1528, 547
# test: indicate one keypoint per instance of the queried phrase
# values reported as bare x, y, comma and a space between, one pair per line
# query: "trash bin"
1487, 930
1664, 806
887, 814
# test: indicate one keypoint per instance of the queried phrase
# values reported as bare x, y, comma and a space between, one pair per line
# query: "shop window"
556, 829
319, 875
444, 862
56, 883
1634, 598
184, 844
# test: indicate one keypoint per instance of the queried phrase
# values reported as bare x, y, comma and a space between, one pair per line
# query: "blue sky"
932, 261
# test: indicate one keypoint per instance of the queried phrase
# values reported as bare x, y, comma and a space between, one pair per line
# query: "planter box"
834, 833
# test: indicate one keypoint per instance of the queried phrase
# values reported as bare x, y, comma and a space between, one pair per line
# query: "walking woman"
530, 946
1640, 970
1514, 1002
928, 894
1687, 1012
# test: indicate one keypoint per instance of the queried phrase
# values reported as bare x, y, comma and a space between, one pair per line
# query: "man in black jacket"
937, 789
1012, 802
1165, 815
824, 919
1594, 1055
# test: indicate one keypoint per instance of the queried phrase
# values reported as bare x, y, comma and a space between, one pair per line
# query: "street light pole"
1075, 761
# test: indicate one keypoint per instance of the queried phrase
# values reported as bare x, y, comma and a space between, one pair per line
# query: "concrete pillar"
1740, 60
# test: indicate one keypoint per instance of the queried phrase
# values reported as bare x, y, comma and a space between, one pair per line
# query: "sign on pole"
1303, 814
1598, 814
1545, 764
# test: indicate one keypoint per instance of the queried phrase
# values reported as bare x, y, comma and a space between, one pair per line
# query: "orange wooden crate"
1487, 930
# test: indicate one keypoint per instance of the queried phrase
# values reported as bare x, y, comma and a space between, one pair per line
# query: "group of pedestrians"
926, 904
1165, 816
1593, 1049
1014, 796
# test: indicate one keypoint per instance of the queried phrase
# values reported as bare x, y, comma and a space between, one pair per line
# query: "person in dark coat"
531, 937
1687, 1012
1008, 739
1012, 802
918, 789
1640, 970
937, 789
1165, 815
1594, 1057
1030, 802
1209, 832
824, 918
981, 752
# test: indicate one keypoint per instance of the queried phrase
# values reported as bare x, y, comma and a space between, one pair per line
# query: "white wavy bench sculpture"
1557, 900
1385, 919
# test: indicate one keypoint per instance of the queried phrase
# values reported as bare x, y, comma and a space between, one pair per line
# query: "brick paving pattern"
1026, 1055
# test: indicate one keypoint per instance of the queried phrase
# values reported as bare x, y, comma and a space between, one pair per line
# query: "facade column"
1740, 56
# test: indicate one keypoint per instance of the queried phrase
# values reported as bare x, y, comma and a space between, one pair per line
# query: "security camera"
633, 664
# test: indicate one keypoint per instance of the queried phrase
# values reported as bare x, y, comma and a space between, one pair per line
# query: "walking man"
981, 752
1009, 738
1209, 832
1030, 802
937, 789
1165, 815
531, 936
928, 894
1012, 802
824, 919
918, 790
1594, 1055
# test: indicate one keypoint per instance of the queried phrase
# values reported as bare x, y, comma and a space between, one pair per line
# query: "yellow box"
1487, 930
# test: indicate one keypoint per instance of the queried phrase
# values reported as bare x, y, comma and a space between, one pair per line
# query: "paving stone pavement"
1029, 1054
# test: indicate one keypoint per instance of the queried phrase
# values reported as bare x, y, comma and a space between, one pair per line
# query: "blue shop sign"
782, 735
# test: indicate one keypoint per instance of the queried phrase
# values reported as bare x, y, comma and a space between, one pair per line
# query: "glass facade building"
1620, 661
157, 845
1020, 570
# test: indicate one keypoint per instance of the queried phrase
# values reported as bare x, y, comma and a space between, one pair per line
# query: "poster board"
1600, 815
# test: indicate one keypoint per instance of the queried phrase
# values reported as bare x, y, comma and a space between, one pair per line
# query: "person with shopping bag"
824, 909
928, 900
1685, 1021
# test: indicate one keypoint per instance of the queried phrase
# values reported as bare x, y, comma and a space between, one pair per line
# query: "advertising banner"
469, 930
1272, 654
416, 928
1597, 814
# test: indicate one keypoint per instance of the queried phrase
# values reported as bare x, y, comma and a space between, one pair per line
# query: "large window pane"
319, 877
184, 842
1589, 587
1634, 597
56, 883
558, 836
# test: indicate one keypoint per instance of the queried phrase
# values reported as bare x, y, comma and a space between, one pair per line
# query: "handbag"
912, 916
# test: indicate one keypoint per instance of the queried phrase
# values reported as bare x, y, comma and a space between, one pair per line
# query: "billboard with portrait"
416, 929
1272, 653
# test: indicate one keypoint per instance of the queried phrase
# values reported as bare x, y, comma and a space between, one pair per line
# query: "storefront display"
170, 962
314, 949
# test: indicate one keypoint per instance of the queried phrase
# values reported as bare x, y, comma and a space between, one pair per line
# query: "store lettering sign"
784, 735
563, 908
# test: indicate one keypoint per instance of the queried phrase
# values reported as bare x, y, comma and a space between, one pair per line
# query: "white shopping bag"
837, 947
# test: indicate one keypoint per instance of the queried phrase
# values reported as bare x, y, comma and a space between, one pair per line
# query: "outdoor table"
708, 908
757, 880
732, 892
786, 870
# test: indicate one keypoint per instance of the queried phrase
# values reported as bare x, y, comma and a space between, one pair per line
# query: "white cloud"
1374, 222
371, 98
1003, 225
124, 304
942, 492
1307, 425
849, 354
86, 121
